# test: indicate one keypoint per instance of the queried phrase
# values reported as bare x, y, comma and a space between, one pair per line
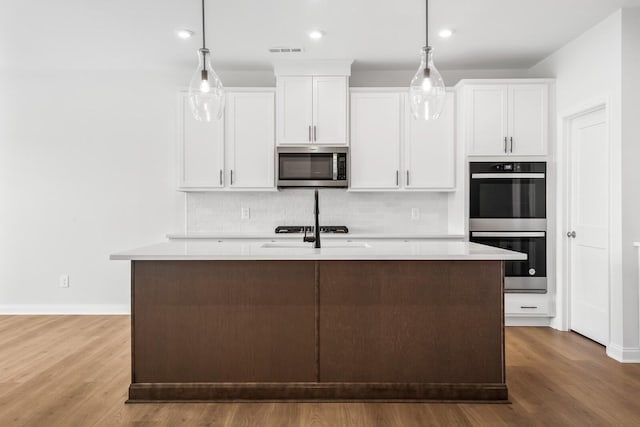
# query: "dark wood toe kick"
199, 392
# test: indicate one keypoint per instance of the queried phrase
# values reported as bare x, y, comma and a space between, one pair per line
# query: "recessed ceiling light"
445, 33
316, 34
184, 33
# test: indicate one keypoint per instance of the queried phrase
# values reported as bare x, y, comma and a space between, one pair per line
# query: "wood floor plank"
75, 371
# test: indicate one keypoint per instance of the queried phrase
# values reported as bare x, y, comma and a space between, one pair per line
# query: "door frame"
562, 320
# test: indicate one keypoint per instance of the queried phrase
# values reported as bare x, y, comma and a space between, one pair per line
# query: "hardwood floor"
74, 371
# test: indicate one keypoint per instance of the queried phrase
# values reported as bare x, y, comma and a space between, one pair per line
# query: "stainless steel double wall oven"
508, 209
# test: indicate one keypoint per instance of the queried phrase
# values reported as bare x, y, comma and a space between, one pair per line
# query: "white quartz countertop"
331, 250
296, 236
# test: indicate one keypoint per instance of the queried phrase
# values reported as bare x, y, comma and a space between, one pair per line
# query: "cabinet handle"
407, 178
528, 306
221, 175
231, 176
505, 144
511, 149
397, 177
315, 138
309, 133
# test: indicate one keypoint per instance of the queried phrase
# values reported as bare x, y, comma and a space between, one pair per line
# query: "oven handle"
507, 175
507, 234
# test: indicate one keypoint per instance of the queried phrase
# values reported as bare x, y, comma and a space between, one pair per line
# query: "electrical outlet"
415, 213
63, 281
245, 213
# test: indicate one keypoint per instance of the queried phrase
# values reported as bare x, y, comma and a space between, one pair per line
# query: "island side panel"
411, 322
223, 321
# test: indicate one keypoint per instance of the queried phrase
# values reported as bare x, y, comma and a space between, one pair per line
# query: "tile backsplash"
361, 212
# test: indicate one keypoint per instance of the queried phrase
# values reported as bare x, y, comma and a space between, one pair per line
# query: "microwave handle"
335, 166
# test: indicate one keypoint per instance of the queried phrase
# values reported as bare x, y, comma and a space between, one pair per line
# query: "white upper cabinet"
487, 119
429, 153
236, 152
507, 119
528, 119
200, 150
390, 150
376, 134
312, 110
250, 140
295, 110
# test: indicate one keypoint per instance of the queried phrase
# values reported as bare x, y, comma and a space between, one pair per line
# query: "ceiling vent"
286, 50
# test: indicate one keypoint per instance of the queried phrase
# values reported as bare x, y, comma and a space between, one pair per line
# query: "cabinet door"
430, 150
250, 147
528, 119
295, 112
487, 119
330, 110
201, 150
375, 140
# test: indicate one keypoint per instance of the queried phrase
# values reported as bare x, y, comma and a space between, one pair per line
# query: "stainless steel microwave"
312, 166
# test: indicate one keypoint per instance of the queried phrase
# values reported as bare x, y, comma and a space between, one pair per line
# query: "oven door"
507, 195
528, 275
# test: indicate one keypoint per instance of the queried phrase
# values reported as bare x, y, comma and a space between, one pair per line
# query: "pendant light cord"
204, 46
426, 20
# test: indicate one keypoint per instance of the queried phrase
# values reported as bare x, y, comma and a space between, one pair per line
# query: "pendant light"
427, 91
206, 93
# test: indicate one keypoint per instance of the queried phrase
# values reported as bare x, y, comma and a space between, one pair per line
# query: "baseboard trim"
61, 309
624, 354
527, 321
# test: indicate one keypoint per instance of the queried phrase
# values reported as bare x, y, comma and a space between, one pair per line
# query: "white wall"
86, 167
631, 173
586, 69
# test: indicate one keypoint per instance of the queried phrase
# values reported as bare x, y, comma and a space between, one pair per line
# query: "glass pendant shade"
206, 93
427, 91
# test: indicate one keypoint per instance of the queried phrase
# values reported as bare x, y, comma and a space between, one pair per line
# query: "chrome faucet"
316, 229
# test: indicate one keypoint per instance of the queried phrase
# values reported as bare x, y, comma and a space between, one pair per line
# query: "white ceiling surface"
376, 34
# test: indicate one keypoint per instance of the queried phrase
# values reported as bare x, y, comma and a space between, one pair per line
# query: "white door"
295, 112
528, 119
201, 150
250, 147
589, 251
375, 140
330, 110
487, 120
430, 150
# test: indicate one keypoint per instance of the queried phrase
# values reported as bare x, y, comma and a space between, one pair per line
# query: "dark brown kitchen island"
318, 329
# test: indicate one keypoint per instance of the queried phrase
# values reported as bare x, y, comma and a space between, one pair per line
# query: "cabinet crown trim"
465, 82
325, 67
386, 89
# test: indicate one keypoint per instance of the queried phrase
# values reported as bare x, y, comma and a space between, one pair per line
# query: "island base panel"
317, 330
229, 321
411, 321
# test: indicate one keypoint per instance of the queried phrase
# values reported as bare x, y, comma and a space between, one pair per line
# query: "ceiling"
376, 34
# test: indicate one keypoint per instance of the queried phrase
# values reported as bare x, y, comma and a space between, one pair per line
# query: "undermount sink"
325, 245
